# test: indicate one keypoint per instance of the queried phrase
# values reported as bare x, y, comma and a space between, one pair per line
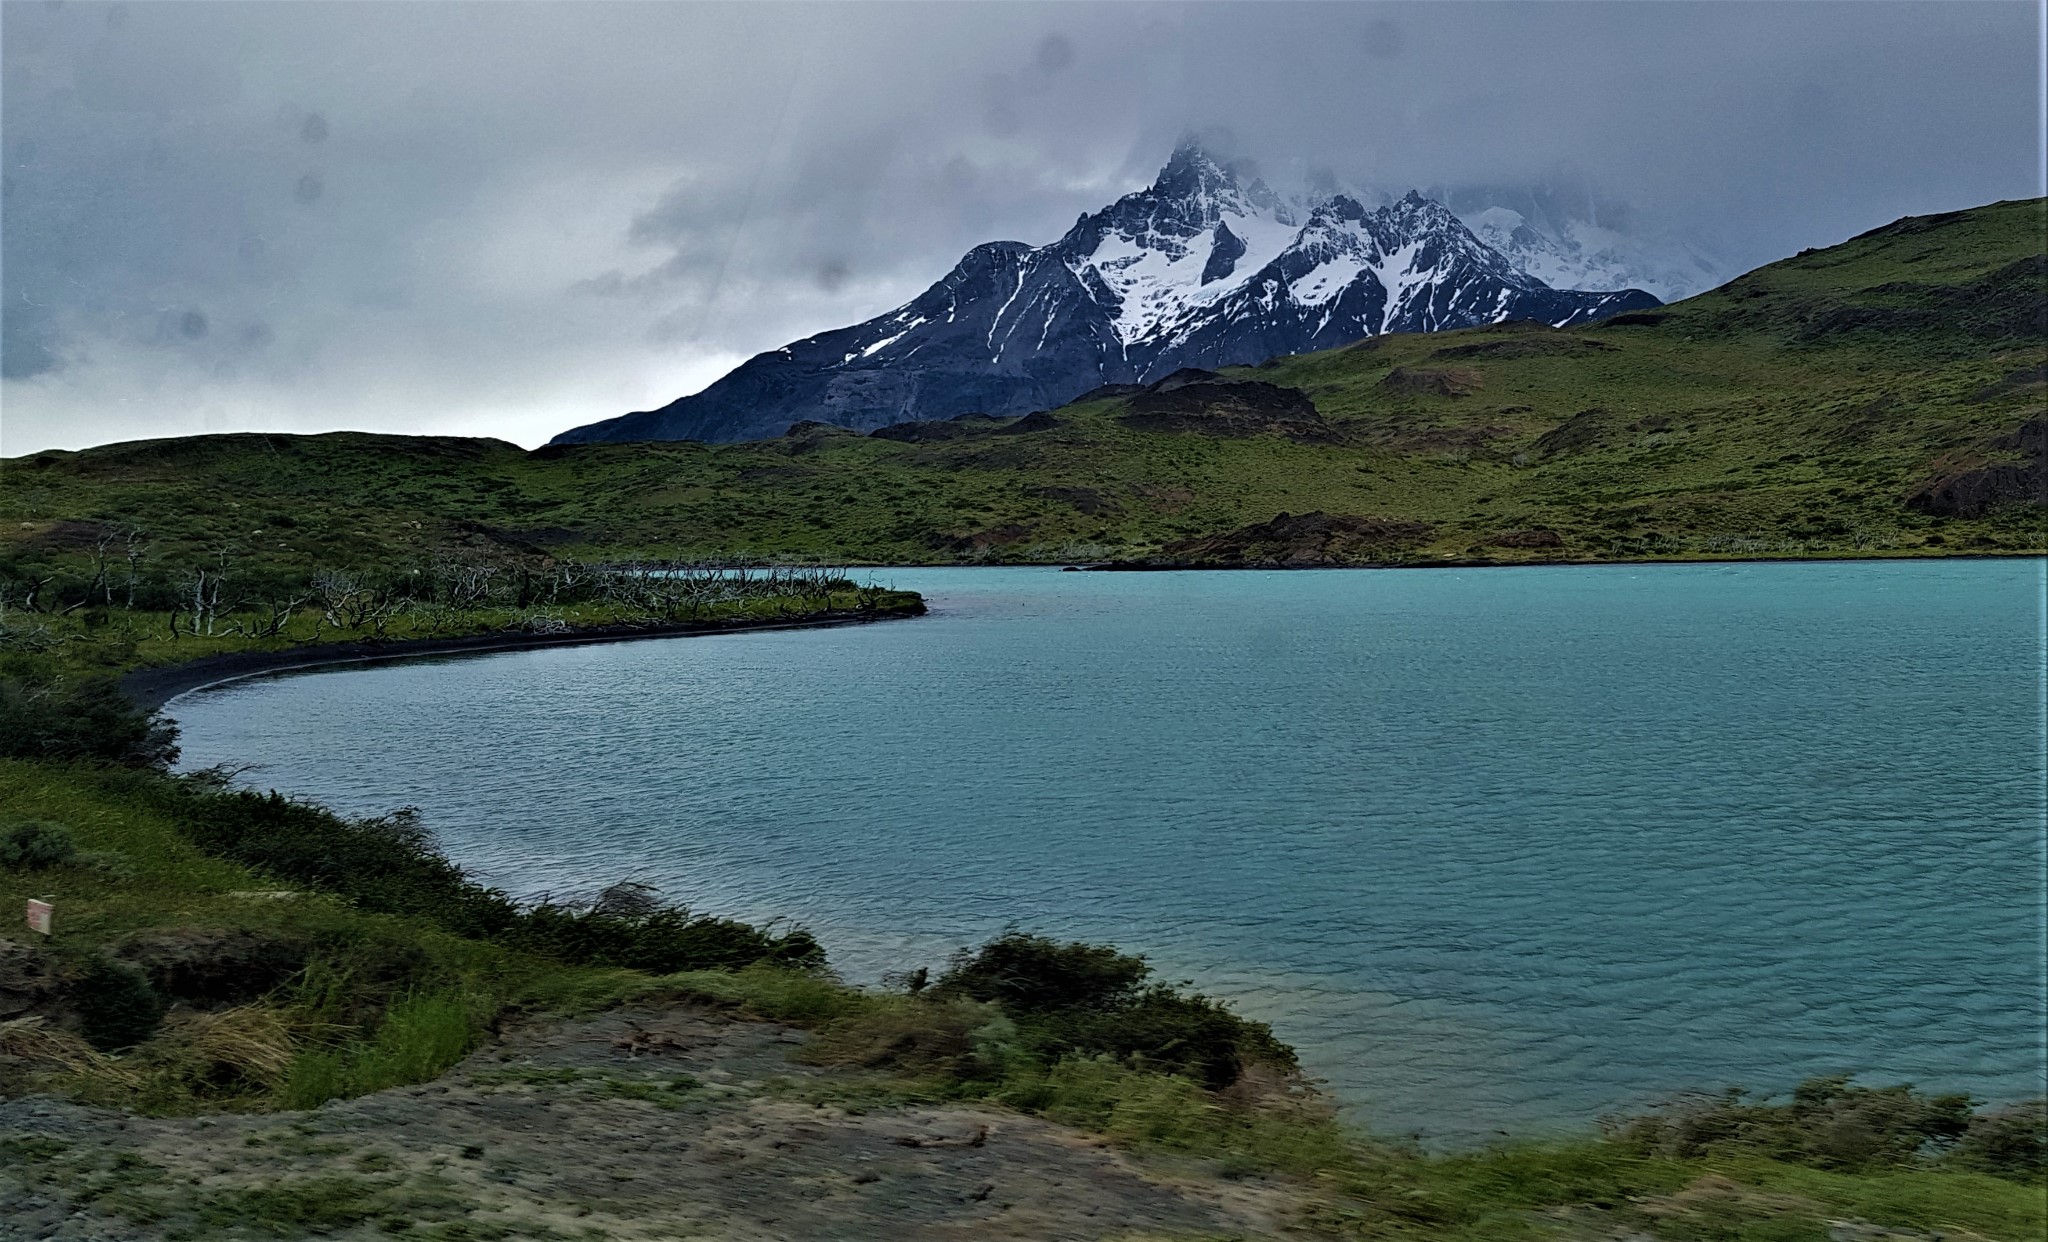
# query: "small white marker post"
39, 913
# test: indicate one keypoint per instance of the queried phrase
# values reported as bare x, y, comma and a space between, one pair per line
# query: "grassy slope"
146, 875
138, 873
1790, 412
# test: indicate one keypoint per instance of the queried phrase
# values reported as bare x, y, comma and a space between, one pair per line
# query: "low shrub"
912, 1035
1074, 999
776, 993
32, 844
116, 1006
1034, 974
2009, 1142
1828, 1123
663, 941
390, 864
44, 715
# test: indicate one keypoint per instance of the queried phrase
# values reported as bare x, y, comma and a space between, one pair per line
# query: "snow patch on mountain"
1573, 253
1196, 270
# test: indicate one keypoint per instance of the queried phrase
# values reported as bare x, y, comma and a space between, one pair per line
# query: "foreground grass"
382, 1000
1371, 1189
399, 967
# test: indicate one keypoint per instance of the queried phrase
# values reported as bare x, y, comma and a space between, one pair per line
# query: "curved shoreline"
151, 688
1480, 562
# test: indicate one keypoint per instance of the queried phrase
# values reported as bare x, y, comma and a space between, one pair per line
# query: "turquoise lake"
1497, 850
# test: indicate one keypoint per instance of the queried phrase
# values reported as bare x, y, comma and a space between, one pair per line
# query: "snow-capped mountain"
1196, 270
1570, 237
1581, 253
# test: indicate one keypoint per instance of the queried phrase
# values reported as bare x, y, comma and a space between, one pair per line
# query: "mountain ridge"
1198, 269
1879, 397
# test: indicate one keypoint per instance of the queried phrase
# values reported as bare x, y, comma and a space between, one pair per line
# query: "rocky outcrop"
208, 968
1526, 539
30, 985
1208, 404
1973, 491
1425, 382
1305, 541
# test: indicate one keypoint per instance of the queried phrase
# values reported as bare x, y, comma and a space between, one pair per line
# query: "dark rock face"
1219, 407
1227, 249
1528, 345
2023, 380
1449, 382
2008, 305
966, 426
1307, 541
1197, 270
29, 981
1527, 539
1976, 491
1581, 430
1085, 500
208, 968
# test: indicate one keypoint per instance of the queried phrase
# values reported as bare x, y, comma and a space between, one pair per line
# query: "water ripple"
1497, 850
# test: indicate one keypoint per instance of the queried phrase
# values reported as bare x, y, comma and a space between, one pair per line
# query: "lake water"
1497, 850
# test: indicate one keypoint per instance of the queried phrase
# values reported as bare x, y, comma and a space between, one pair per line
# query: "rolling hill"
1880, 397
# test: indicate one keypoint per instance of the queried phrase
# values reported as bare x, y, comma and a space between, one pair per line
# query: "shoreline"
1142, 567
153, 688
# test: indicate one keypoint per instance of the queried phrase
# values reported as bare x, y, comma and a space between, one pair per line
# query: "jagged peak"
1192, 171
1338, 207
1190, 150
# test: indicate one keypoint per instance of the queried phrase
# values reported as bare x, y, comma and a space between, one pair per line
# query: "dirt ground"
672, 1125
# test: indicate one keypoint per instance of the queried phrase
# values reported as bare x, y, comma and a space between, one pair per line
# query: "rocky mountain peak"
1198, 269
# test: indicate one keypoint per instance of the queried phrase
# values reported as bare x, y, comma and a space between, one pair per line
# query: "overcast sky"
507, 220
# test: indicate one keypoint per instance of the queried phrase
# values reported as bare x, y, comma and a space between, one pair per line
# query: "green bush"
32, 843
2009, 1142
116, 1006
43, 716
390, 864
387, 864
1164, 1029
1033, 974
668, 940
1828, 1124
1071, 999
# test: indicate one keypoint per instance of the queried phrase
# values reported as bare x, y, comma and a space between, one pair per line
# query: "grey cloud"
474, 216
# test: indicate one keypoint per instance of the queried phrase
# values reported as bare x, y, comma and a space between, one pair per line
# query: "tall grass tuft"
422, 1035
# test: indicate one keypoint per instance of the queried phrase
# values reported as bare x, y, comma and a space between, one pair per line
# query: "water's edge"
151, 688
1390, 901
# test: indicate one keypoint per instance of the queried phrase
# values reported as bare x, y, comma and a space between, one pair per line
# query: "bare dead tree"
468, 583
137, 548
100, 582
278, 613
30, 601
205, 587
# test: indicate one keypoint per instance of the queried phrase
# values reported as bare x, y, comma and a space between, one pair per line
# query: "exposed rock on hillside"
1449, 382
1202, 401
1974, 491
1308, 541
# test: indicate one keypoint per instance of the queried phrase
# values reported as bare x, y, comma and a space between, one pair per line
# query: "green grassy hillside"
1870, 398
